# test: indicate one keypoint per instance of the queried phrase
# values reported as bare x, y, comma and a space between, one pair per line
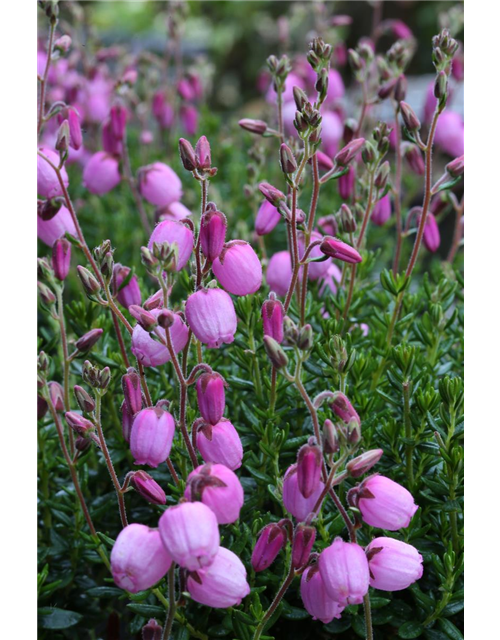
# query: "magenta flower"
138, 558
47, 184
130, 293
148, 488
279, 273
190, 534
342, 407
315, 598
238, 268
127, 421
211, 316
309, 465
394, 565
131, 386
61, 258
271, 540
151, 436
212, 233
303, 541
159, 184
219, 488
162, 110
220, 443
176, 234
346, 183
151, 352
173, 211
223, 584
332, 130
50, 230
211, 396
382, 211
344, 570
189, 119
110, 143
316, 269
272, 318
267, 218
450, 133
293, 500
101, 173
340, 250
432, 237
385, 504
293, 80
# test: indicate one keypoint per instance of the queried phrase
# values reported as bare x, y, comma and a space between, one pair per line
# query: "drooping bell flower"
219, 488
293, 500
211, 396
271, 540
381, 211
450, 133
189, 119
394, 565
279, 272
309, 464
221, 444
272, 318
159, 184
384, 503
332, 130
176, 234
138, 558
49, 231
211, 316
48, 185
173, 211
339, 250
162, 110
342, 407
131, 386
154, 353
344, 570
101, 173
315, 598
130, 293
267, 218
190, 534
151, 436
238, 268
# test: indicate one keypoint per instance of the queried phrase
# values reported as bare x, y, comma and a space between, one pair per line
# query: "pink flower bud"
63, 43
432, 237
456, 167
131, 385
162, 111
279, 272
344, 570
384, 503
414, 159
394, 565
346, 183
267, 218
148, 488
75, 130
50, 230
293, 500
61, 258
349, 152
309, 464
47, 183
88, 340
315, 598
212, 233
303, 542
363, 463
56, 395
127, 421
272, 318
382, 211
271, 540
110, 143
145, 319
177, 235
85, 401
316, 269
138, 558
238, 268
190, 534
202, 154
185, 90
324, 161
271, 194
211, 316
211, 396
186, 152
174, 211
221, 444
412, 123
159, 184
219, 488
221, 585
189, 119
118, 117
101, 173
254, 126
152, 631
130, 293
340, 250
151, 436
342, 407
78, 423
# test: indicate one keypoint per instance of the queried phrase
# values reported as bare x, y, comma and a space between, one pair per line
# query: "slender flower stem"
199, 270
109, 462
43, 82
167, 629
119, 336
397, 192
131, 181
66, 361
368, 617
294, 250
277, 599
307, 238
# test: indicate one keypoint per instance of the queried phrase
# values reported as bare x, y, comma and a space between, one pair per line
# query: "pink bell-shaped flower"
293, 500
176, 234
279, 273
47, 182
238, 268
159, 184
211, 396
219, 488
394, 565
344, 570
267, 218
220, 443
101, 173
151, 436
49, 231
210, 314
271, 540
154, 353
384, 503
315, 598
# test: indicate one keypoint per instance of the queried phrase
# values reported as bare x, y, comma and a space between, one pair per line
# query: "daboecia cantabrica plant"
250, 402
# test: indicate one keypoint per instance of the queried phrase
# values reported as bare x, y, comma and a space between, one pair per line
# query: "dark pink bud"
88, 340
270, 542
148, 488
412, 123
415, 159
456, 167
127, 421
129, 293
349, 152
254, 126
363, 463
309, 462
144, 318
85, 401
382, 211
61, 258
340, 250
118, 117
271, 194
185, 90
188, 157
267, 218
56, 395
303, 542
212, 233
272, 318
75, 130
131, 385
343, 408
78, 423
211, 396
432, 237
324, 161
202, 154
152, 631
346, 183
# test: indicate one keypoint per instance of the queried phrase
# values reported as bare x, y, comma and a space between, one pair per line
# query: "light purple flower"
395, 567
221, 444
238, 268
175, 233
154, 353
101, 173
219, 488
315, 598
159, 184
211, 316
344, 570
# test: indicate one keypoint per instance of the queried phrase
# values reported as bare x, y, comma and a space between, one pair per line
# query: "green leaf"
105, 592
410, 630
450, 629
58, 618
146, 610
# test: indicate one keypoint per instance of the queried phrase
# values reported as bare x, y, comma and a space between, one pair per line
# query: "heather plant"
250, 395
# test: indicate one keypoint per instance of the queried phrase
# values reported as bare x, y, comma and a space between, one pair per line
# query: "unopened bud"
349, 152
401, 88
387, 88
347, 220
412, 123
305, 340
188, 157
303, 542
290, 331
63, 44
271, 194
166, 318
203, 154
89, 282
56, 395
152, 631
456, 167
63, 137
47, 296
330, 437
144, 318
309, 465
270, 542
85, 401
355, 60
363, 463
148, 488
441, 86
88, 340
287, 159
131, 386
78, 423
342, 407
254, 126
275, 353
61, 258
382, 175
300, 98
